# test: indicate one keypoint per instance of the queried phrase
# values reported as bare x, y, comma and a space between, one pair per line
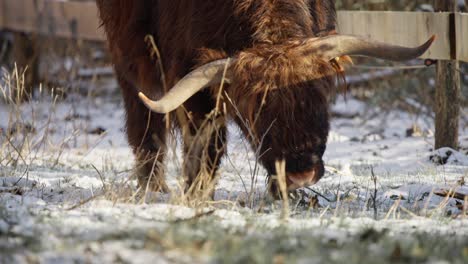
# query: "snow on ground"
66, 196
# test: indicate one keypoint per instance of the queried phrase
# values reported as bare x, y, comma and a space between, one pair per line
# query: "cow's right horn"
195, 81
334, 46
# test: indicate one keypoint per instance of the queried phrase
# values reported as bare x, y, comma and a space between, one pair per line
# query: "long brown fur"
278, 89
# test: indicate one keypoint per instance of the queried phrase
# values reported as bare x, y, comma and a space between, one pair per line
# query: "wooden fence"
78, 19
68, 19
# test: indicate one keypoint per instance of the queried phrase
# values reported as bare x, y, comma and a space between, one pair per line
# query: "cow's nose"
304, 179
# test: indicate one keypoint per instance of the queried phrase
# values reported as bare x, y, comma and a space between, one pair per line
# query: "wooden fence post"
26, 56
447, 87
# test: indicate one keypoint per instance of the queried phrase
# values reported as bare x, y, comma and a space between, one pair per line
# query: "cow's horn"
195, 81
335, 46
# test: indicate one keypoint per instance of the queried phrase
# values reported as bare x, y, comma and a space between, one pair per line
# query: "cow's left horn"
195, 81
334, 46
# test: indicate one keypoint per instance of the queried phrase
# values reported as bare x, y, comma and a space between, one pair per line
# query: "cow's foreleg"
204, 145
146, 134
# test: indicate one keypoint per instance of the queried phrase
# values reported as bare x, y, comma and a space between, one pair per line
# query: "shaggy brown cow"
267, 64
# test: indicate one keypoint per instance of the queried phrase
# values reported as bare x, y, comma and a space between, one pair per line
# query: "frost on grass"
67, 195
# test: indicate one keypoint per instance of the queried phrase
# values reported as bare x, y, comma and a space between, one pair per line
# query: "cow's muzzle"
304, 179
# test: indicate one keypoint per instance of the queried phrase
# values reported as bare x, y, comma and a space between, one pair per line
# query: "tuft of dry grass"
281, 178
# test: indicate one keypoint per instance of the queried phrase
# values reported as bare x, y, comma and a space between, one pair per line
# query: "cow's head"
279, 87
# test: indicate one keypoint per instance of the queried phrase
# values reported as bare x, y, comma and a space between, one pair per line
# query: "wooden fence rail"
411, 29
68, 19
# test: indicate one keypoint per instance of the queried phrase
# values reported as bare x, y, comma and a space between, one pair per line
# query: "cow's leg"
204, 144
146, 133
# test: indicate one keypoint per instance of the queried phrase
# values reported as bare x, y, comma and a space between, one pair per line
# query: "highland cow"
269, 65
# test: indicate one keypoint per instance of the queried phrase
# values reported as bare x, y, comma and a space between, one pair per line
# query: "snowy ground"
66, 197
